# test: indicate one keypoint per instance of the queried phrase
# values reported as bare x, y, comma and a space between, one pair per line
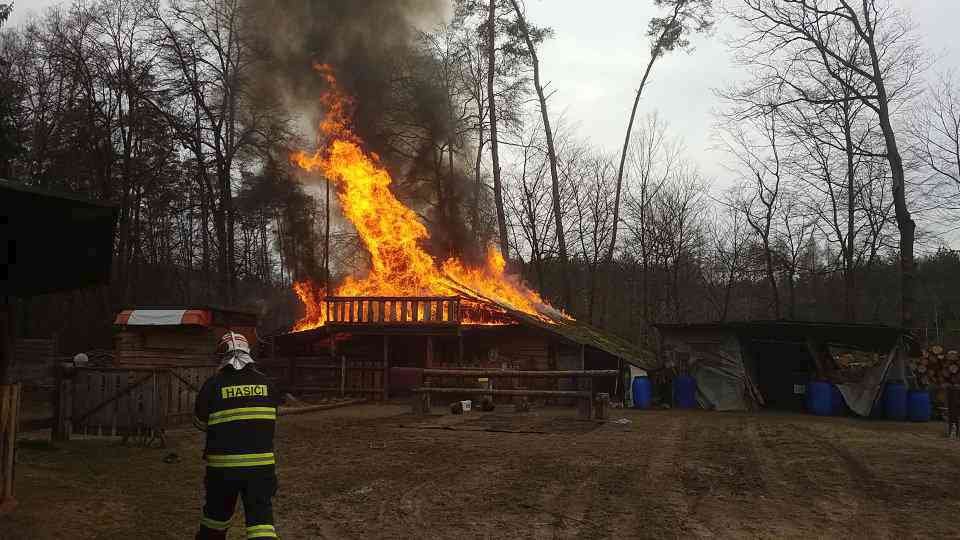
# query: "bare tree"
653, 161
532, 36
589, 185
666, 34
757, 153
492, 110
782, 35
531, 202
935, 130
729, 240
793, 234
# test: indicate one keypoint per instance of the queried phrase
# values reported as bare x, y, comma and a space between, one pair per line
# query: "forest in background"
183, 113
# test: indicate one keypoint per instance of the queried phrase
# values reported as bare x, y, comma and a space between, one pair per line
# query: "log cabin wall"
33, 362
164, 346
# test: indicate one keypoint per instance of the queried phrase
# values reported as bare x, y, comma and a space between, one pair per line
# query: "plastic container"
895, 401
642, 392
684, 392
839, 405
918, 406
820, 398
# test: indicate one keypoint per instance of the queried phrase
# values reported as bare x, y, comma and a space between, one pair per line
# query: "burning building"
412, 311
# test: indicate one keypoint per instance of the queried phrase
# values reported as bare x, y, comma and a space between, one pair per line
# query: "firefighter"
237, 408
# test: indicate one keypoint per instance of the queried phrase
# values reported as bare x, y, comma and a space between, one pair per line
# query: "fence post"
9, 420
343, 375
386, 367
585, 407
63, 406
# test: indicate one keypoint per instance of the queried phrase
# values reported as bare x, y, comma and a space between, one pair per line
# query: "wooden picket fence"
137, 403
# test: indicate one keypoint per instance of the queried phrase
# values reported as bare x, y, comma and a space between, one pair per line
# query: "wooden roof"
52, 241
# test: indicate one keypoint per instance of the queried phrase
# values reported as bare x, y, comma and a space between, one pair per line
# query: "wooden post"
429, 360
386, 367
63, 405
421, 402
6, 339
292, 375
343, 375
585, 407
9, 421
602, 410
459, 348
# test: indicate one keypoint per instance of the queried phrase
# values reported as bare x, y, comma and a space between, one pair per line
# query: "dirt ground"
373, 471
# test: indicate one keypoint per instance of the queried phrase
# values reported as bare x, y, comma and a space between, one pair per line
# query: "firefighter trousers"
221, 500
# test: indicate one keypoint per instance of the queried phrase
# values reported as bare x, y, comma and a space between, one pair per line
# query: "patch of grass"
38, 445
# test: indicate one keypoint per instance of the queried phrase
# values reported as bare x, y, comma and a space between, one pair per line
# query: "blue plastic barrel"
839, 405
642, 393
895, 401
685, 392
918, 405
820, 398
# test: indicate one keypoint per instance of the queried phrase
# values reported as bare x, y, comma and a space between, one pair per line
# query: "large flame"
391, 232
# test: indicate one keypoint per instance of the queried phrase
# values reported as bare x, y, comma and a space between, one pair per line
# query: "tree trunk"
554, 177
491, 104
478, 184
905, 222
654, 54
849, 284
771, 276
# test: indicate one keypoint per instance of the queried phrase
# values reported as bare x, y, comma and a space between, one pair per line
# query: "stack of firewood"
936, 367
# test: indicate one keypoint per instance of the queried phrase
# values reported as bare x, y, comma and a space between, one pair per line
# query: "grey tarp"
861, 396
723, 370
715, 361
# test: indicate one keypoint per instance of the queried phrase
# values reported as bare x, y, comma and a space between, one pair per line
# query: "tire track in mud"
721, 476
862, 489
658, 505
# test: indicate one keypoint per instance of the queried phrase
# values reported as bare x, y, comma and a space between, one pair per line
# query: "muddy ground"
372, 471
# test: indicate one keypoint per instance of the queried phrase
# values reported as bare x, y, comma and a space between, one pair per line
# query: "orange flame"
390, 231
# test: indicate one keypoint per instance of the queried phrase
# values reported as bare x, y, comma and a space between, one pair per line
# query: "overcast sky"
596, 58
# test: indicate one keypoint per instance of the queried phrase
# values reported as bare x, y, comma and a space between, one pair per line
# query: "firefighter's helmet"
233, 342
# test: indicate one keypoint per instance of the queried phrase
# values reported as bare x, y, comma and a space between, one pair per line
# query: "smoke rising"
401, 112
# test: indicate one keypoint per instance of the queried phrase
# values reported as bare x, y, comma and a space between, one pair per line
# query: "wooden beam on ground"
554, 374
504, 392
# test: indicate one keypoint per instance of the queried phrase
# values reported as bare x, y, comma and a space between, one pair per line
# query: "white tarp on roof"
156, 317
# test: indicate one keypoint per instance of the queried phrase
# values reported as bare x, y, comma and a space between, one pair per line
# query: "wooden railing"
585, 397
429, 310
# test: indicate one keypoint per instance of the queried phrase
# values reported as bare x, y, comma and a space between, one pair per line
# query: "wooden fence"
421, 402
424, 310
321, 376
130, 402
9, 412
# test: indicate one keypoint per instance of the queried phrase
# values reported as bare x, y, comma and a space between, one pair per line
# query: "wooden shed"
380, 347
177, 336
49, 242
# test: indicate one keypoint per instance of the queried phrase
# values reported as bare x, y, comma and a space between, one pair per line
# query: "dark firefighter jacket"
238, 410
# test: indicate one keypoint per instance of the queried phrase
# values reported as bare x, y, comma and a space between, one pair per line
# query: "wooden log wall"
9, 415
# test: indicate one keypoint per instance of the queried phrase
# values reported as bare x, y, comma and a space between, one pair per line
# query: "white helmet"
233, 342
